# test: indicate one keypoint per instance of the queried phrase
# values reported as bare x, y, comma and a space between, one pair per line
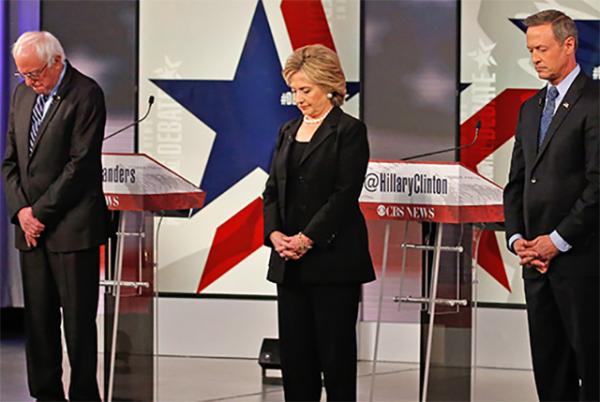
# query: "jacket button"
300, 178
533, 180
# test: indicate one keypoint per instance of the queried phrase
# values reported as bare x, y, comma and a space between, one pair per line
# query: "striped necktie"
37, 115
547, 114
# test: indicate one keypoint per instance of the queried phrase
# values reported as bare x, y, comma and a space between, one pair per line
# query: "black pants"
317, 333
563, 315
52, 281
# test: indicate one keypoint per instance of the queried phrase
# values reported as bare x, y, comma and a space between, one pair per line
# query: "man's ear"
569, 43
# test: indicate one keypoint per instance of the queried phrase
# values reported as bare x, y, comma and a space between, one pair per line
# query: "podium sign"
136, 182
432, 192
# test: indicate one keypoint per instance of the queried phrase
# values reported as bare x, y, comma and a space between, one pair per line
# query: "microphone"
150, 102
541, 102
477, 128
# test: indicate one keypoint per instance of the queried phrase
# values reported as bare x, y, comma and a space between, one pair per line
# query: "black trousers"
52, 281
317, 334
563, 315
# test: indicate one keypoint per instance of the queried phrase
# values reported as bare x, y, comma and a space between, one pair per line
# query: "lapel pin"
566, 105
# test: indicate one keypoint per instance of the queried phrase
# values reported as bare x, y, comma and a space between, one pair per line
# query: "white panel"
503, 339
398, 342
212, 34
236, 328
215, 328
278, 29
342, 16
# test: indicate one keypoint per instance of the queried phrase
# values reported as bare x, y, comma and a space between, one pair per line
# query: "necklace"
308, 120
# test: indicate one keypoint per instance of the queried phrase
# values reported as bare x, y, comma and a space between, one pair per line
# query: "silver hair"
46, 46
562, 25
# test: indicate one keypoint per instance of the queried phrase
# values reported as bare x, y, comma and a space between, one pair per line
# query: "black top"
295, 189
296, 194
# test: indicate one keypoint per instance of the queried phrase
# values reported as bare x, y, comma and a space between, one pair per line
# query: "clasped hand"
290, 247
536, 253
30, 225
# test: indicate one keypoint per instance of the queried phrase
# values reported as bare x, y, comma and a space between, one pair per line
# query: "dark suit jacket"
557, 186
333, 168
62, 179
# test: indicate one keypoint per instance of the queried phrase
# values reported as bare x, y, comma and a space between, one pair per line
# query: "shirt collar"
60, 79
565, 84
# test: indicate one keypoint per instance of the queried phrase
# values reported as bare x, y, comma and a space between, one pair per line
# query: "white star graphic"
483, 55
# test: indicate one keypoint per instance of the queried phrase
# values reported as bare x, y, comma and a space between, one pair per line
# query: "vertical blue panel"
29, 15
26, 15
4, 90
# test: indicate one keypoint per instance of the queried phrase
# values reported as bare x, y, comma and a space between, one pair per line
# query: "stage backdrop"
496, 77
215, 70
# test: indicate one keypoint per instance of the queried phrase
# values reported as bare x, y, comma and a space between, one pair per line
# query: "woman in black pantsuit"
313, 223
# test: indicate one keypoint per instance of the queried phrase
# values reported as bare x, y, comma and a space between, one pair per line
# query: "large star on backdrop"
245, 113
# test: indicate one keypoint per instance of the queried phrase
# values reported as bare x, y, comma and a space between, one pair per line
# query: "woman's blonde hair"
322, 66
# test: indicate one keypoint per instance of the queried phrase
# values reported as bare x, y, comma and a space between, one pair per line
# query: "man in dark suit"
551, 210
52, 173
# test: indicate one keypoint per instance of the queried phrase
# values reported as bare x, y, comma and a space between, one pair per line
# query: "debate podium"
137, 188
449, 198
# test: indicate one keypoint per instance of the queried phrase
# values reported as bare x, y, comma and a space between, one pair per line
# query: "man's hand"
536, 253
30, 240
29, 223
540, 266
524, 250
544, 247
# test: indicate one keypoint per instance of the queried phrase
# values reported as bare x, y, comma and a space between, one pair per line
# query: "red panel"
490, 259
494, 131
234, 240
154, 202
306, 23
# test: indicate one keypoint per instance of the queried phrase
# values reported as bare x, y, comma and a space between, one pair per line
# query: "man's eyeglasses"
32, 75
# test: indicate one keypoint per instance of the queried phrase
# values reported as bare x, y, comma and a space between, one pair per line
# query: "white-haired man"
52, 174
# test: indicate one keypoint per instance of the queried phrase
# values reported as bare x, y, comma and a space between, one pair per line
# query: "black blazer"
557, 186
62, 179
333, 168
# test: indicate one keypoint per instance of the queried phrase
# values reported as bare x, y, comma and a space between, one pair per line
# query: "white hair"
46, 46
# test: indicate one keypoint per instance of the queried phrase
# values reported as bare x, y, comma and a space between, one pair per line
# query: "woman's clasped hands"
290, 247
